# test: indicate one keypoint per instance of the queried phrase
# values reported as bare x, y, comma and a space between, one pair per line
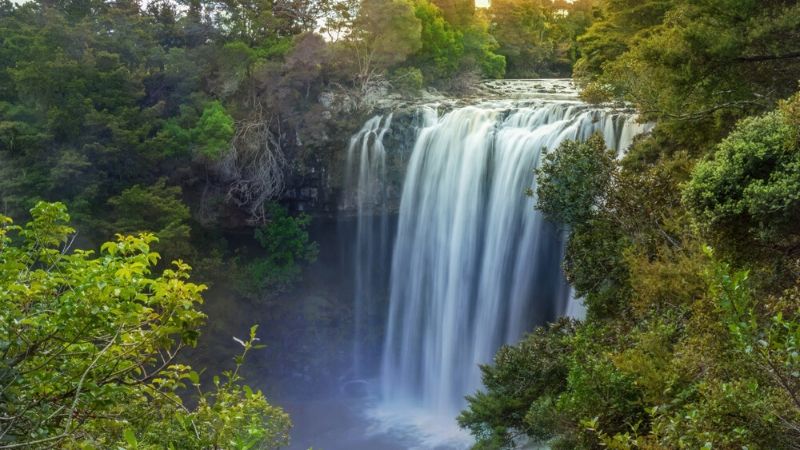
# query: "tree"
337, 18
287, 245
253, 22
574, 180
748, 194
621, 23
681, 347
574, 188
458, 13
156, 209
455, 44
442, 46
385, 33
480, 51
207, 136
523, 378
684, 62
214, 131
73, 100
520, 28
538, 38
89, 345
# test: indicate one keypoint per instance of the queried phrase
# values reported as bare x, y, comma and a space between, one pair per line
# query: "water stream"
473, 265
366, 171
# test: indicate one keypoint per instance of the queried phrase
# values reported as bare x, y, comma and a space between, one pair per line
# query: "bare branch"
254, 166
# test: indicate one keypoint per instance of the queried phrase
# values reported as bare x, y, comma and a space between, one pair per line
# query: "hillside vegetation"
685, 252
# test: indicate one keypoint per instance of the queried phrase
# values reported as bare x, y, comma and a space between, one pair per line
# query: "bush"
89, 345
748, 194
574, 180
287, 245
408, 80
596, 93
158, 209
521, 388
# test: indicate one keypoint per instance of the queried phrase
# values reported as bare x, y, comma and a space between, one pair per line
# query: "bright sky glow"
482, 3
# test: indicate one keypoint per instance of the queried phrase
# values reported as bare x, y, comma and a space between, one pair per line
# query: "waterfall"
366, 191
473, 265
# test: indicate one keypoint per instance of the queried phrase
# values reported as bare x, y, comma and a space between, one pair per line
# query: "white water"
474, 265
366, 172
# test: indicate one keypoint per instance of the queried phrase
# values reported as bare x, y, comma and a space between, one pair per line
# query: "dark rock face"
309, 189
316, 187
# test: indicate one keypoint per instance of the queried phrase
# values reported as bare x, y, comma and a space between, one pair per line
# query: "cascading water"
366, 174
474, 266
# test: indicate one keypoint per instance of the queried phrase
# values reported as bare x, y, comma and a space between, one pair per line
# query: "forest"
151, 150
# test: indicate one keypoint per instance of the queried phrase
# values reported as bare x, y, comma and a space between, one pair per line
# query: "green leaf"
130, 438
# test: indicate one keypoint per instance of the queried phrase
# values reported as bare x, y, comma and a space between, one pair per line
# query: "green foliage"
73, 101
573, 180
621, 23
524, 378
597, 388
668, 278
98, 101
539, 38
717, 371
709, 61
574, 185
209, 135
287, 245
491, 65
682, 347
388, 31
480, 51
442, 45
89, 344
750, 402
749, 192
546, 385
173, 137
214, 131
596, 93
613, 213
679, 349
596, 266
256, 22
449, 46
408, 80
338, 18
158, 209
459, 13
